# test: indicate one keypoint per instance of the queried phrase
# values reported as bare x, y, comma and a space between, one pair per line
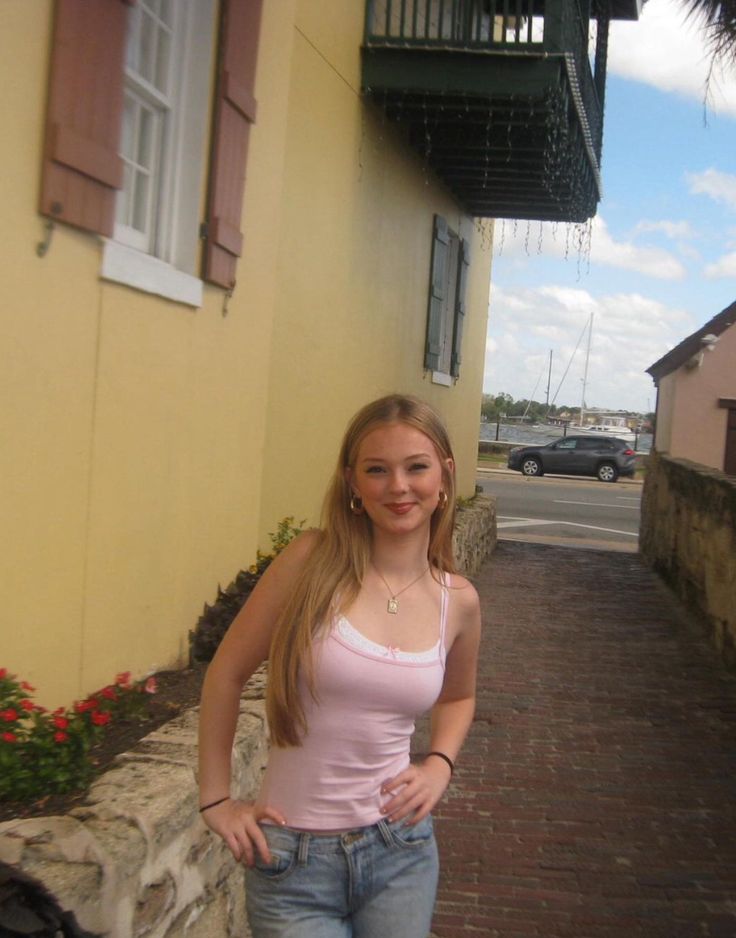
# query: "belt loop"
303, 850
385, 830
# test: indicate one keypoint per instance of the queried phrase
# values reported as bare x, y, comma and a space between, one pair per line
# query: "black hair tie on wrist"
212, 804
447, 759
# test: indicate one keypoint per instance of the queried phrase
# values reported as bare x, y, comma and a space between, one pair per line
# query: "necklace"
392, 605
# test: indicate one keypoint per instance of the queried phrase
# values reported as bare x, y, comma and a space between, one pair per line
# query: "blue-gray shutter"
437, 287
457, 333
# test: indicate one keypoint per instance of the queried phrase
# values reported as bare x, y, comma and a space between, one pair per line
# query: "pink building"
696, 395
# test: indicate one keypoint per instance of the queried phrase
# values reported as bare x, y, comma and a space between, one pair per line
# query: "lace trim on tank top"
351, 636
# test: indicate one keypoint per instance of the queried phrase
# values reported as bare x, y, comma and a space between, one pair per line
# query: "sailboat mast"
549, 379
585, 373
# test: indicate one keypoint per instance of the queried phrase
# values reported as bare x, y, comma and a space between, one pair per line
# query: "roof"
693, 344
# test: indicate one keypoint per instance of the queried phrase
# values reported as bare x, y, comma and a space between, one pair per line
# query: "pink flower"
9, 715
100, 718
9, 737
27, 704
61, 737
150, 687
123, 678
3, 673
109, 693
82, 706
61, 723
26, 686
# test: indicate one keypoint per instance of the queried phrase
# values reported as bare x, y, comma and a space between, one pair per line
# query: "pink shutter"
235, 111
82, 168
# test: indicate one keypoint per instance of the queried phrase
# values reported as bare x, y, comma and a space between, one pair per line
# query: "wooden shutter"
82, 168
457, 332
234, 112
437, 292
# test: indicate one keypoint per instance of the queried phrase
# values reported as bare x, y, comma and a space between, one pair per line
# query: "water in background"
513, 433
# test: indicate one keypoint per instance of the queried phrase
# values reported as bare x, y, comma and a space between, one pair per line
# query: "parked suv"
602, 456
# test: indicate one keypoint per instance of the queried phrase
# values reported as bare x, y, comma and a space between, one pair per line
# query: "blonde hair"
333, 573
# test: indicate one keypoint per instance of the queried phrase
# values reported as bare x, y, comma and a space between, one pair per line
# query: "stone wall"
135, 860
475, 534
688, 535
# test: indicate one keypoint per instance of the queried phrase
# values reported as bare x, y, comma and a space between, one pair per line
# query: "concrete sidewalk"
596, 794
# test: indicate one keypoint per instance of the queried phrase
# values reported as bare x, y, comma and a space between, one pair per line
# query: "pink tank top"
359, 729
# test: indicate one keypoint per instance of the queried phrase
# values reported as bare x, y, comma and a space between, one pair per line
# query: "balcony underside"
506, 132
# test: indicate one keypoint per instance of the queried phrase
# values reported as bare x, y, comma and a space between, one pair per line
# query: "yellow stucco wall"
148, 447
354, 273
131, 485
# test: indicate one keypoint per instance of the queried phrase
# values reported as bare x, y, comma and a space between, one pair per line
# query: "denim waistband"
305, 843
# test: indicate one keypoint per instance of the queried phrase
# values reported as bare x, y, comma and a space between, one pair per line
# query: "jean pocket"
283, 857
413, 835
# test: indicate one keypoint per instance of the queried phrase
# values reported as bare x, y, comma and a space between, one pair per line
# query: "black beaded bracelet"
212, 804
447, 759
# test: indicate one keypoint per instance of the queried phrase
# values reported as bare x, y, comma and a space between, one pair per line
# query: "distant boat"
620, 430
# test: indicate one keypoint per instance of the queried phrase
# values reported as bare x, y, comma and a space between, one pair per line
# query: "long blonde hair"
333, 573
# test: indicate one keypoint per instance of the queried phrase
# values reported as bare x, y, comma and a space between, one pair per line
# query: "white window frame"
165, 261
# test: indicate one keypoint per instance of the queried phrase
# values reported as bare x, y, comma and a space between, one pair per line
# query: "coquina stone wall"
475, 534
135, 860
688, 535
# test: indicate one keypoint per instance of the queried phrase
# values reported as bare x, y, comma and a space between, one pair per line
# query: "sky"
659, 258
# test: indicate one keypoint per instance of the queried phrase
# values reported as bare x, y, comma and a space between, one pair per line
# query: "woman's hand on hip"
238, 823
415, 791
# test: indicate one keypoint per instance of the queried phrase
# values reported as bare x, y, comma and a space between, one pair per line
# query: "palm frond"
719, 21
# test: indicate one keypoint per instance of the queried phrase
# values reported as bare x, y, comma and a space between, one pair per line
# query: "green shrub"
216, 619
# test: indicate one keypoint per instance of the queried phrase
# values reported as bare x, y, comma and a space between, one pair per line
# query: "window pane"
122, 211
131, 49
165, 12
162, 61
145, 138
140, 201
128, 129
147, 47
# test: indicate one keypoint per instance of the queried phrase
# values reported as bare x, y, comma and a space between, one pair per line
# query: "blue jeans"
373, 882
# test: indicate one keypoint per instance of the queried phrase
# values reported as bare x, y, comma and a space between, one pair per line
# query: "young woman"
366, 626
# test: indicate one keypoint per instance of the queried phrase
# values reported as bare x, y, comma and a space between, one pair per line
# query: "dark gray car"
604, 457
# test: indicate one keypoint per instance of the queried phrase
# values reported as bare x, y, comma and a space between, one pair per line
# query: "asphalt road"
566, 511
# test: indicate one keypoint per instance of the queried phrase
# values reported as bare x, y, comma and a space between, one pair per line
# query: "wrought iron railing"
574, 43
460, 24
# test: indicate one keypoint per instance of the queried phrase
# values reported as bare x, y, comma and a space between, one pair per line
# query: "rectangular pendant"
393, 606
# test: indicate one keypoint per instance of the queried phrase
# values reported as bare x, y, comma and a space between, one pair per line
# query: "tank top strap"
444, 604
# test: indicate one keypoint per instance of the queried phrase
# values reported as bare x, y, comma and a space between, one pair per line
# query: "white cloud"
721, 187
591, 242
643, 259
630, 332
724, 267
675, 230
668, 50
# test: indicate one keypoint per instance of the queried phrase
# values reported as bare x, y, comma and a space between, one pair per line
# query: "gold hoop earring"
442, 500
356, 504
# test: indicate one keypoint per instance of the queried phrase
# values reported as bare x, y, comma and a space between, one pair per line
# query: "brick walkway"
596, 795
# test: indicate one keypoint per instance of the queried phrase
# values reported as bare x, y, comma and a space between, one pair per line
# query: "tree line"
496, 406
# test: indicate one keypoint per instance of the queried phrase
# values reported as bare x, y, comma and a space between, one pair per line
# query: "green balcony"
503, 99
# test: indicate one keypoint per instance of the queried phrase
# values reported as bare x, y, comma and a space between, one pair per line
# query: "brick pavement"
596, 794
